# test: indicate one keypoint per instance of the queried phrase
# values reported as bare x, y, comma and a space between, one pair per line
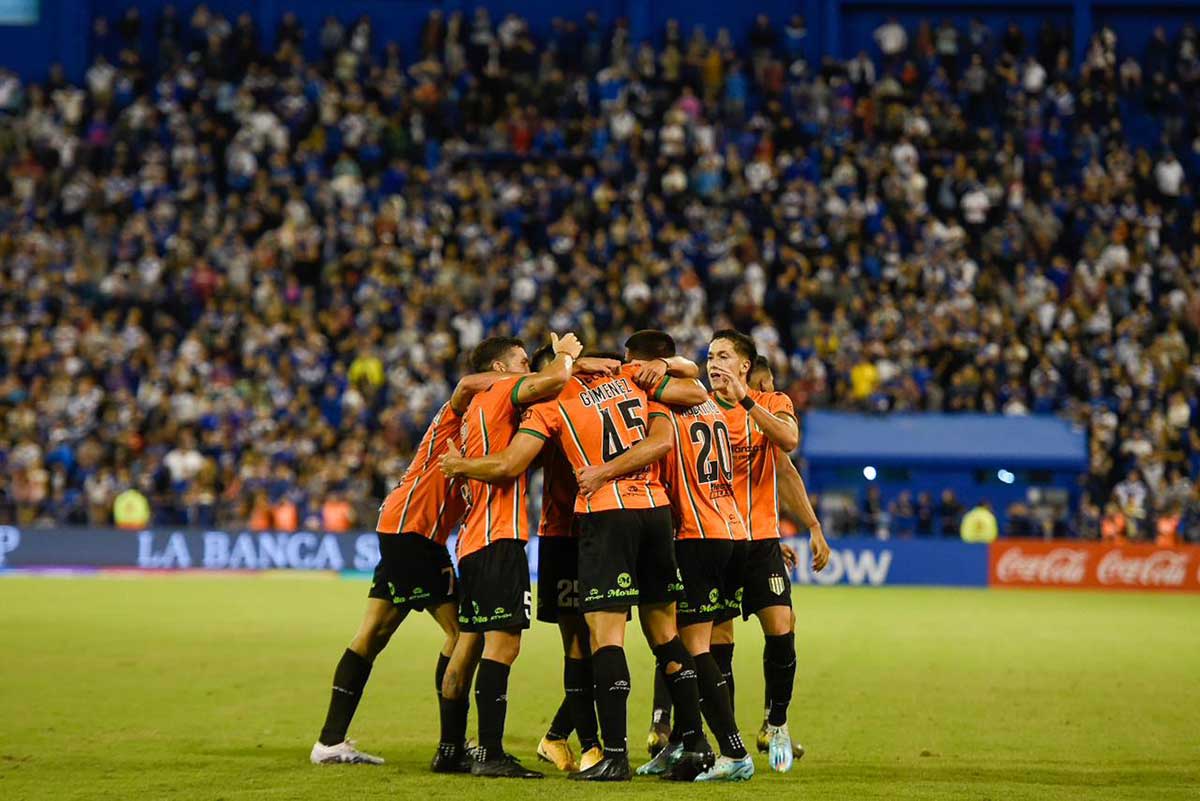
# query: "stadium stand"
240, 280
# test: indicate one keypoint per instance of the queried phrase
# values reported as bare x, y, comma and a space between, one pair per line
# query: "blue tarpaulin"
950, 440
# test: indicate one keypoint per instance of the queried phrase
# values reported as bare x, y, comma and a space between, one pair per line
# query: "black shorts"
558, 578
712, 582
627, 558
494, 588
766, 582
414, 572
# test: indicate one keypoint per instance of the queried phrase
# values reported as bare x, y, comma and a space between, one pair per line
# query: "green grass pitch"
215, 688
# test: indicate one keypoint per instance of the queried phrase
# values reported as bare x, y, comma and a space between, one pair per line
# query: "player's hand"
731, 386
590, 478
789, 556
567, 344
651, 374
596, 366
452, 461
819, 548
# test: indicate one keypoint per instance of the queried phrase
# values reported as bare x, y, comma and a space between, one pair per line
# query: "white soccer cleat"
728, 769
780, 748
344, 753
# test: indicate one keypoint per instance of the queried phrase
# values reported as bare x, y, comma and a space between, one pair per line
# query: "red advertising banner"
1065, 564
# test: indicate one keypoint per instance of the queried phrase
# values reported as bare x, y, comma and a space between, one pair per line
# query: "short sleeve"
541, 420
777, 403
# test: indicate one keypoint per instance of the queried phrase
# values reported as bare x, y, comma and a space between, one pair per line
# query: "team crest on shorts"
624, 580
777, 583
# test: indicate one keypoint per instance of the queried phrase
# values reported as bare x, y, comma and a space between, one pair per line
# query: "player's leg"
678, 669
501, 609
380, 621
722, 651
454, 706
578, 682
607, 567
661, 587
452, 756
734, 764
558, 599
767, 596
660, 717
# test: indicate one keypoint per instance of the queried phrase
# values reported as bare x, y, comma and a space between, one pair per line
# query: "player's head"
501, 354
649, 344
541, 357
761, 377
732, 352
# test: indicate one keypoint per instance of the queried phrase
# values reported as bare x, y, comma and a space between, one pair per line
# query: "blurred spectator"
925, 515
949, 512
979, 524
131, 510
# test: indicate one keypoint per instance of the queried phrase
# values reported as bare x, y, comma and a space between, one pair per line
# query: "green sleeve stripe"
658, 392
659, 414
516, 389
532, 433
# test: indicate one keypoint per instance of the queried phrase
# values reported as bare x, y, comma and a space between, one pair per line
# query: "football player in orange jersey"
558, 603
793, 498
414, 573
626, 556
494, 602
761, 424
698, 472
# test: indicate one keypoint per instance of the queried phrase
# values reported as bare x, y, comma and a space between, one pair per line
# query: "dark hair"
742, 345
541, 357
490, 350
760, 363
650, 343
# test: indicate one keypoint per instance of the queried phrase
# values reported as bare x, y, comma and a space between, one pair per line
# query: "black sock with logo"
779, 665
714, 702
349, 679
723, 654
581, 701
662, 701
560, 726
611, 682
491, 705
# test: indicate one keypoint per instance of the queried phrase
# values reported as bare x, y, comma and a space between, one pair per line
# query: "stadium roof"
958, 440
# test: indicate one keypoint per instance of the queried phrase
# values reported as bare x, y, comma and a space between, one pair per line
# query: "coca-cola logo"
1159, 569
1059, 566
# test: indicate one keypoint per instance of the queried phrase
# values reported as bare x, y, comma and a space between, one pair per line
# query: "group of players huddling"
657, 494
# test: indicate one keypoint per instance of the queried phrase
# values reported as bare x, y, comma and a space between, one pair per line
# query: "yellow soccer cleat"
657, 738
590, 757
558, 753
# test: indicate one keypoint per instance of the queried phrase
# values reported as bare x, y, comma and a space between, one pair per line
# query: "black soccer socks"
714, 702
491, 705
581, 701
611, 681
685, 692
662, 700
723, 654
439, 673
779, 667
349, 678
560, 726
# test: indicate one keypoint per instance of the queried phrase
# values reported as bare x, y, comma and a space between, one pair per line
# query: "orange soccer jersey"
558, 494
595, 419
425, 502
494, 511
754, 484
699, 475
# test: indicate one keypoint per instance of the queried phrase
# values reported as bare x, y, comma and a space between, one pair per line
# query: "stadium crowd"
240, 280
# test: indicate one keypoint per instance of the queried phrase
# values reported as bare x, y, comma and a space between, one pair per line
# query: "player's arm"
594, 365
780, 428
675, 392
495, 468
468, 387
654, 446
549, 381
651, 373
793, 495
